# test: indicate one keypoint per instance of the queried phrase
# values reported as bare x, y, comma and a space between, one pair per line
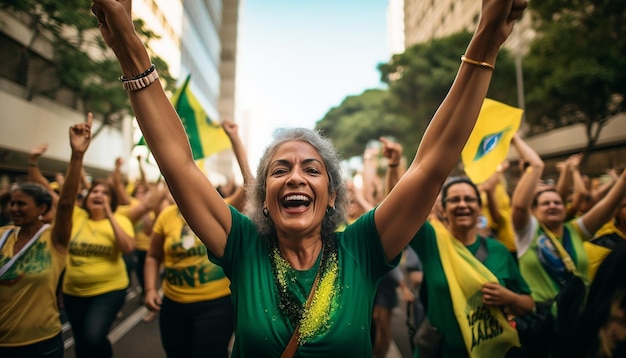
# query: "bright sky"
298, 59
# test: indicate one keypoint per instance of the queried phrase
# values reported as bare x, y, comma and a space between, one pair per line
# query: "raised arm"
406, 207
603, 189
602, 212
395, 168
118, 183
142, 172
238, 199
522, 199
34, 173
564, 182
489, 188
199, 202
80, 137
580, 193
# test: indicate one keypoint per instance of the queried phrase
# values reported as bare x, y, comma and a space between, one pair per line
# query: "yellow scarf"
485, 330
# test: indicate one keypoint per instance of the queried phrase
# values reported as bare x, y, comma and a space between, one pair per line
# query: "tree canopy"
361, 118
574, 69
418, 81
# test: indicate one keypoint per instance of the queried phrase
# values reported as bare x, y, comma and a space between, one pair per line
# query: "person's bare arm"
580, 192
517, 304
203, 208
151, 202
397, 218
118, 183
238, 198
124, 241
154, 259
598, 193
369, 174
524, 192
489, 188
142, 173
393, 152
80, 137
564, 181
34, 173
602, 212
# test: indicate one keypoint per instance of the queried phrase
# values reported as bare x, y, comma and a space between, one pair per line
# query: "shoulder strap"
292, 346
481, 254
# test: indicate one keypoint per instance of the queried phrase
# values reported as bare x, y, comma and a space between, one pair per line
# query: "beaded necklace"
316, 317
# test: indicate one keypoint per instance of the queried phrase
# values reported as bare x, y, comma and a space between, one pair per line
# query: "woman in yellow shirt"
95, 282
32, 256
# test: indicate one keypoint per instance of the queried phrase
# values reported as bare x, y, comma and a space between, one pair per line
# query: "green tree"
361, 118
418, 81
420, 78
82, 64
575, 67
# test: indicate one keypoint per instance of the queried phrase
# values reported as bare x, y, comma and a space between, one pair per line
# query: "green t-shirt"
440, 312
263, 330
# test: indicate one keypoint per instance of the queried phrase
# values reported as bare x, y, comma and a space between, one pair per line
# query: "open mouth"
463, 214
296, 200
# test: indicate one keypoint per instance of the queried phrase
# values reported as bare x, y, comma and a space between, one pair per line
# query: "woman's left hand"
497, 295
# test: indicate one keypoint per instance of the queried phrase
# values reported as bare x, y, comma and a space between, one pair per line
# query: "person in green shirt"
298, 286
462, 207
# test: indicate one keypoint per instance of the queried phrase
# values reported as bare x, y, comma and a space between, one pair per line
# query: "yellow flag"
489, 142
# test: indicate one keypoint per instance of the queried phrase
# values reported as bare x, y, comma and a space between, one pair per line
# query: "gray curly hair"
256, 193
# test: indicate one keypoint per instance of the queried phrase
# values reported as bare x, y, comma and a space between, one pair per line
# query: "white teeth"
297, 197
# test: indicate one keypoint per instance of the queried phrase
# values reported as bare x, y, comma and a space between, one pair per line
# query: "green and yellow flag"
489, 142
206, 137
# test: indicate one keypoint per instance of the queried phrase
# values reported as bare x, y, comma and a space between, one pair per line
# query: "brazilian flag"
206, 137
489, 142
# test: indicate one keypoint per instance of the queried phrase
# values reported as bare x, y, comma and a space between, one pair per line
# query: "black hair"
38, 192
456, 180
537, 194
113, 203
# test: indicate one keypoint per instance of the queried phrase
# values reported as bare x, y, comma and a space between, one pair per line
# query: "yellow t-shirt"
504, 228
597, 253
95, 264
189, 275
28, 302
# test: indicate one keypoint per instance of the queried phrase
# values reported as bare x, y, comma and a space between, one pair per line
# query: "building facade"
196, 36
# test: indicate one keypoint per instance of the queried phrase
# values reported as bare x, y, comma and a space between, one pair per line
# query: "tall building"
428, 19
197, 37
395, 26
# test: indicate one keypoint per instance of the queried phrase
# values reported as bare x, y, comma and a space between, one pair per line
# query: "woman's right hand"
152, 301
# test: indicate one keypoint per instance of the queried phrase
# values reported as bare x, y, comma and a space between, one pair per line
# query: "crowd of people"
300, 261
